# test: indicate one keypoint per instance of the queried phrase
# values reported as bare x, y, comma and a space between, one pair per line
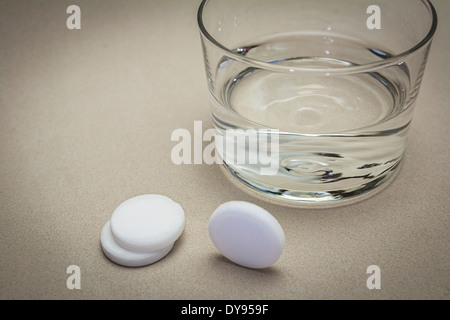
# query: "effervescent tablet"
127, 258
147, 223
246, 234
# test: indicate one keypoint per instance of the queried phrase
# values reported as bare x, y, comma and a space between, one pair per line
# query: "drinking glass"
332, 84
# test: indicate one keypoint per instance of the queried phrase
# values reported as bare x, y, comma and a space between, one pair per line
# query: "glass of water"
320, 93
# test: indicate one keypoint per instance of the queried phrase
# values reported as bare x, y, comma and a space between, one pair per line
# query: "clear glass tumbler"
335, 81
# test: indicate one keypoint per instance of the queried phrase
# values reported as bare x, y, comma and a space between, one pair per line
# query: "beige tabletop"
86, 118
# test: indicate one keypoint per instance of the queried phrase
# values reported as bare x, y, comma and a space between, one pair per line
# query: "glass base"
310, 199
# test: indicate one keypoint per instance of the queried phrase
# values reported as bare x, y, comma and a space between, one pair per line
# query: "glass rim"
396, 59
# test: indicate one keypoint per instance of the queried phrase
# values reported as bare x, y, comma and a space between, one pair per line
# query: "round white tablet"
147, 223
246, 234
125, 257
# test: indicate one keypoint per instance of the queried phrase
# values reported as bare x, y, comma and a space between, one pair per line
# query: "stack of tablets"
142, 230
